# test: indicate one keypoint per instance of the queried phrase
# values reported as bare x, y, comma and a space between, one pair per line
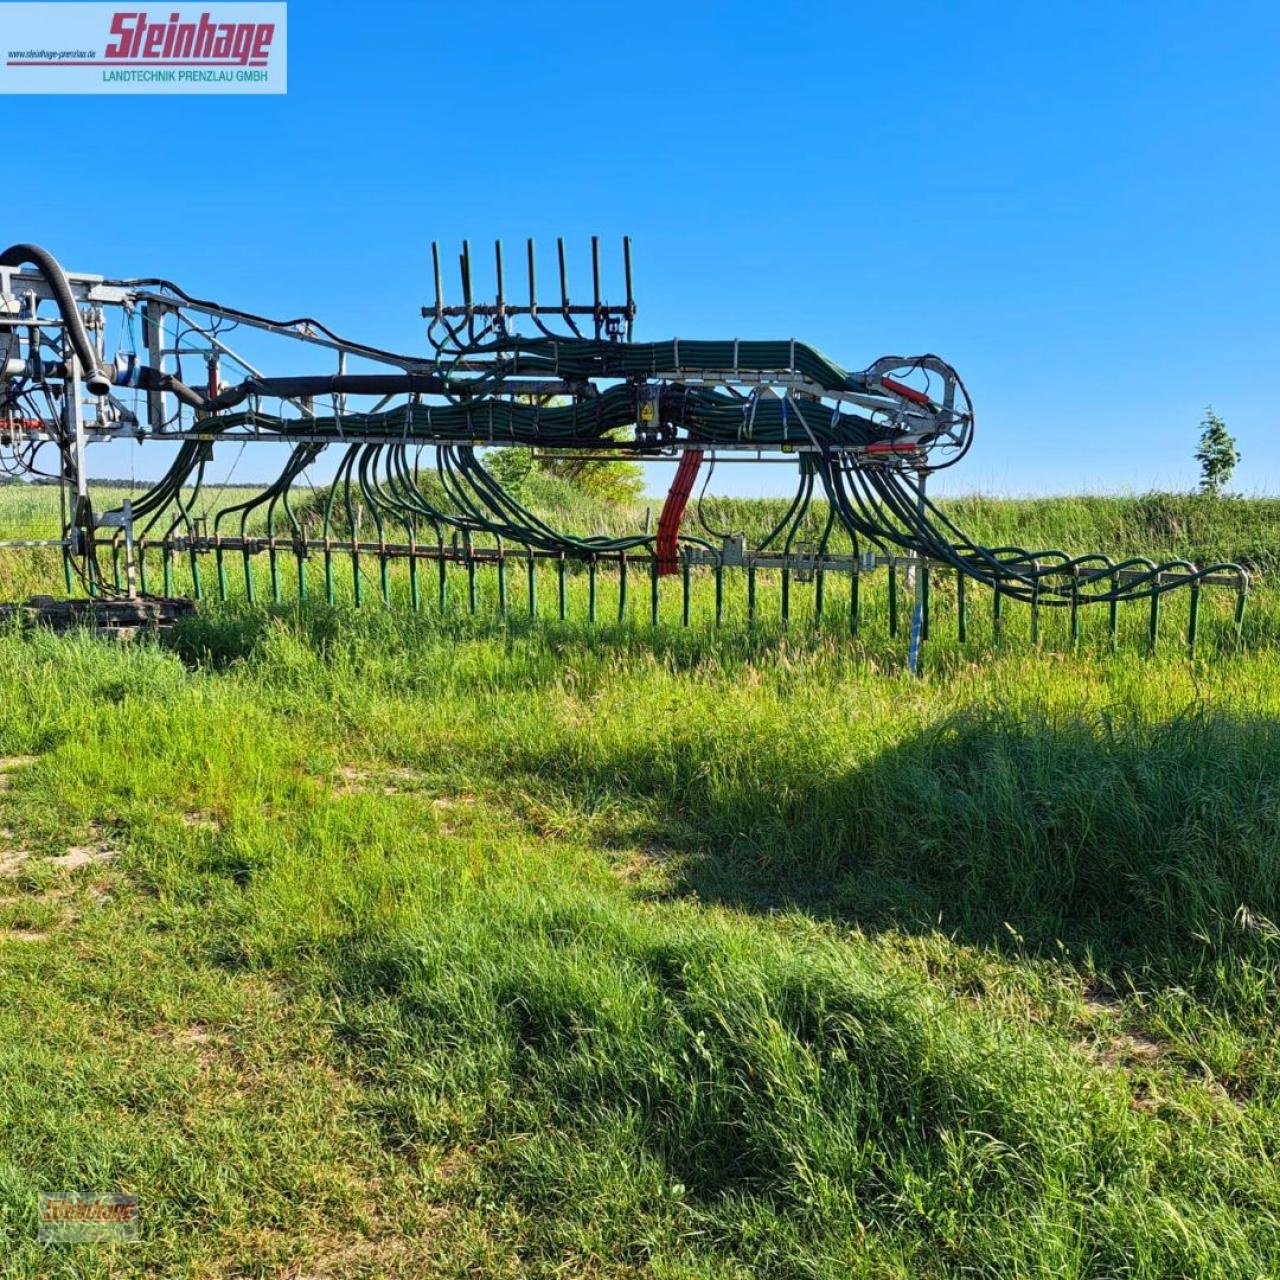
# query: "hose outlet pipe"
97, 378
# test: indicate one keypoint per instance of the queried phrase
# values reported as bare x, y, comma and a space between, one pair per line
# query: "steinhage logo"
140, 38
103, 48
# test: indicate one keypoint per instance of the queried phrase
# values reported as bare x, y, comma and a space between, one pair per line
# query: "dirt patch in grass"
388, 779
641, 865
452, 802
12, 860
10, 765
82, 855
387, 1251
1126, 1047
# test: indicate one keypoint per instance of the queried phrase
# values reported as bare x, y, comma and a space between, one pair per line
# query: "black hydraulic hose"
148, 379
97, 377
302, 322
360, 384
356, 384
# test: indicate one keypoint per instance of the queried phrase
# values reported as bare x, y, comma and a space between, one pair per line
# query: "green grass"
1163, 525
450, 946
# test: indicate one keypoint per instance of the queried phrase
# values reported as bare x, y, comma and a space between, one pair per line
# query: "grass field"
359, 943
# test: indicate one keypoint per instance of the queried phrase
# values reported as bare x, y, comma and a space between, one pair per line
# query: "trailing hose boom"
86, 359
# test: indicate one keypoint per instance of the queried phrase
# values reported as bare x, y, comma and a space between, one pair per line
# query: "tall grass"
440, 945
873, 1058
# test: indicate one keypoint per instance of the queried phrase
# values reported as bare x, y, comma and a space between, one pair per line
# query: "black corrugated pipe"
148, 379
356, 384
97, 378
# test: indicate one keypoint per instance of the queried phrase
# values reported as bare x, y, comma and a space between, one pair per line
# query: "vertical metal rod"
533, 586
626, 266
1035, 606
1153, 624
153, 316
415, 587
384, 575
497, 265
329, 595
471, 576
562, 587
299, 554
502, 582
564, 277
622, 586
464, 265
920, 613
595, 284
435, 272
786, 597
274, 570
997, 615
442, 580
819, 593
355, 567
719, 593
591, 590
1193, 620
751, 594
533, 277
73, 423
1075, 610
1113, 615
1242, 597
126, 512
66, 523
915, 636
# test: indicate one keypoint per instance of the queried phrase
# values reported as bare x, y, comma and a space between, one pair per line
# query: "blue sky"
1076, 205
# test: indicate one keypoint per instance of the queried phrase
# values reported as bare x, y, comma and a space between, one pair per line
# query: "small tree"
616, 482
1217, 454
511, 468
606, 482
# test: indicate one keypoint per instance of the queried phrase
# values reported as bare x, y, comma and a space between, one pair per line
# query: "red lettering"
204, 38
262, 45
133, 37
120, 27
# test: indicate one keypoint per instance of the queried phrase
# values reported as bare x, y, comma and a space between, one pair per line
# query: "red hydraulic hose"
673, 512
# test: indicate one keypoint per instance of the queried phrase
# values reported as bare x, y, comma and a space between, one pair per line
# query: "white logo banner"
113, 48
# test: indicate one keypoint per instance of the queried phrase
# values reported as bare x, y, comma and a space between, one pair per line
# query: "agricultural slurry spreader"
85, 359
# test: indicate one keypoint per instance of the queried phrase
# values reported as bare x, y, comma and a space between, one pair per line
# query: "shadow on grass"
782, 1100
1147, 847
